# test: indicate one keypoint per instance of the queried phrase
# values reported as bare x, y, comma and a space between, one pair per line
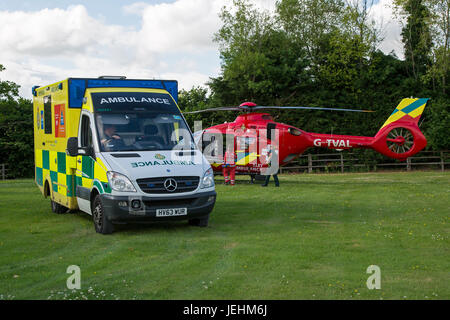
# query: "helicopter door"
270, 127
228, 138
246, 150
211, 147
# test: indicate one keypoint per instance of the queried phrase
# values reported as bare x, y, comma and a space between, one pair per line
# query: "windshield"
136, 121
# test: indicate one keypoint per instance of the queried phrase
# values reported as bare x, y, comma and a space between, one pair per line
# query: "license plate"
171, 212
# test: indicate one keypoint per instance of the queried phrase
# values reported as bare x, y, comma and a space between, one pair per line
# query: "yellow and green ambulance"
120, 150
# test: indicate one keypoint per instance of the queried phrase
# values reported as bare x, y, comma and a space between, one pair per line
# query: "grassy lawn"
312, 238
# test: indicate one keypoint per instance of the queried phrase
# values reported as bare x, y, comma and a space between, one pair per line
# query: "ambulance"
119, 150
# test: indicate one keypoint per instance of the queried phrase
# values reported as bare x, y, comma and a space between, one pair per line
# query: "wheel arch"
47, 190
94, 192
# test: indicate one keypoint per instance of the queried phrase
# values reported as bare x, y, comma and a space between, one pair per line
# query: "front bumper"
119, 208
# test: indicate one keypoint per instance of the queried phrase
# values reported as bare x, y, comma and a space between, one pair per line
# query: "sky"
44, 41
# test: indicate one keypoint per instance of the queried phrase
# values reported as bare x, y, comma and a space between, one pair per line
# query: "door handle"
79, 161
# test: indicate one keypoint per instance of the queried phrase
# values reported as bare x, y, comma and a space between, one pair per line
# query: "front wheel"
101, 223
200, 222
57, 208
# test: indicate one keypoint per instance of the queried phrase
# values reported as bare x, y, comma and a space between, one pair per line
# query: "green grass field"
312, 238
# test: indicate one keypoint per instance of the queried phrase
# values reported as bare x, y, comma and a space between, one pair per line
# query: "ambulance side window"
86, 132
48, 114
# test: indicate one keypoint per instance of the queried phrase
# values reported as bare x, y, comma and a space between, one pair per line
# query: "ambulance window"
86, 133
48, 114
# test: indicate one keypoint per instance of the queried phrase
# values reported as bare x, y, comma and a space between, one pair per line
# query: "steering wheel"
151, 144
115, 144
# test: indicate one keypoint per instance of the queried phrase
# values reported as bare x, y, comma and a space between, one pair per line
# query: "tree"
416, 36
8, 90
440, 28
306, 22
259, 63
196, 98
16, 130
357, 22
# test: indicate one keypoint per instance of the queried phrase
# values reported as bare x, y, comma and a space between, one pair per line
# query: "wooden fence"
340, 161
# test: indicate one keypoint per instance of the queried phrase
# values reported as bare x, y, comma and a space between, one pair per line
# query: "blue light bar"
77, 87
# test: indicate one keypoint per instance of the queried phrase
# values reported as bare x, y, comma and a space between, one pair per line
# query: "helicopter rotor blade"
252, 108
311, 108
215, 109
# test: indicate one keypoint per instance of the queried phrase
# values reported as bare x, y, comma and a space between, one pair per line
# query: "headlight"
208, 179
119, 182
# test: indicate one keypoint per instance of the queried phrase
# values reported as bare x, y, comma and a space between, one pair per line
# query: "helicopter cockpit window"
294, 131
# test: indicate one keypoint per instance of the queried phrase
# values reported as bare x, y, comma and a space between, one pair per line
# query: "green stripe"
79, 181
45, 159
70, 185
54, 180
87, 166
39, 176
61, 162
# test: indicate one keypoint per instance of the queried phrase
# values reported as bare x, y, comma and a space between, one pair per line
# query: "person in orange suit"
229, 165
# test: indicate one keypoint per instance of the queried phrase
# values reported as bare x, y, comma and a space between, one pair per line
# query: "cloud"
188, 79
48, 45
383, 14
135, 8
184, 25
40, 47
54, 32
268, 5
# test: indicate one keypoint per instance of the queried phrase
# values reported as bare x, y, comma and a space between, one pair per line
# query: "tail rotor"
400, 140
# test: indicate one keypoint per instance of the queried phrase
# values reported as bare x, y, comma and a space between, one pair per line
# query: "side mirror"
72, 147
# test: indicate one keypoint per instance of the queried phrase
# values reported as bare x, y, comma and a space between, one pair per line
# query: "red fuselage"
250, 133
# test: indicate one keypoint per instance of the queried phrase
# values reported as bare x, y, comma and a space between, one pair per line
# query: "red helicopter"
398, 138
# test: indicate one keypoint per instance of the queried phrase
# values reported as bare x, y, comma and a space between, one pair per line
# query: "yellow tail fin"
409, 109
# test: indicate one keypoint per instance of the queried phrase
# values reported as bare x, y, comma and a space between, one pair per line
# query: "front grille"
156, 185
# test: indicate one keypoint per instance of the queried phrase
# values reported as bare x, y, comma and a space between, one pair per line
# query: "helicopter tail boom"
340, 142
398, 138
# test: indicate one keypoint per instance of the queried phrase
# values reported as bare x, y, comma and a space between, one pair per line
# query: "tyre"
101, 223
57, 208
200, 222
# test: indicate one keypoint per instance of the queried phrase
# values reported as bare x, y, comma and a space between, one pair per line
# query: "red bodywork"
250, 134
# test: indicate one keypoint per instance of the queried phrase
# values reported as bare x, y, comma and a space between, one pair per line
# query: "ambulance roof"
78, 86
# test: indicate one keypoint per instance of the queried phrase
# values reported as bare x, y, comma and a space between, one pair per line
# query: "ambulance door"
85, 163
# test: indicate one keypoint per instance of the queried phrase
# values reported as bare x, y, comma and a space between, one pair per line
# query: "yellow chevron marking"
400, 114
247, 159
417, 112
405, 102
